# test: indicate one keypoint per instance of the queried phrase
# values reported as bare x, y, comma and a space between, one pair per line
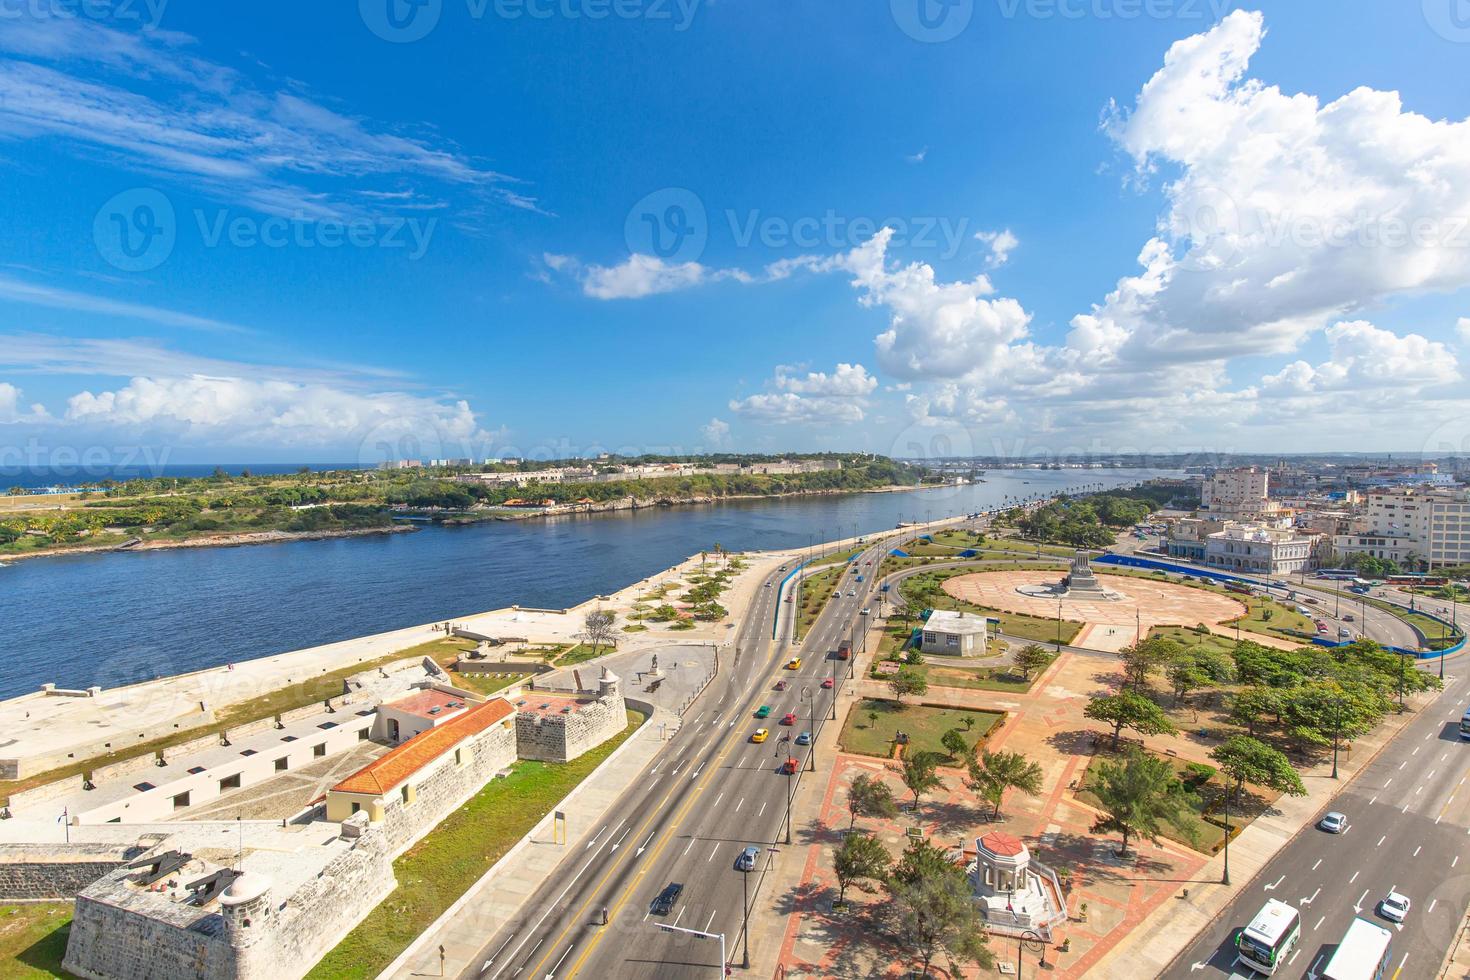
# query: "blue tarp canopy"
969, 553
899, 554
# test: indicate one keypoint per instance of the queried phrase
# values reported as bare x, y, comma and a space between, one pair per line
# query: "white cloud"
716, 432
1462, 329
12, 412
817, 398
1001, 244
64, 299
917, 157
262, 412
935, 329
639, 276
1366, 359
275, 150
1284, 213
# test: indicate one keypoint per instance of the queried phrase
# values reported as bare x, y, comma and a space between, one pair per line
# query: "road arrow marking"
1276, 883
1308, 901
1358, 905
645, 845
1196, 966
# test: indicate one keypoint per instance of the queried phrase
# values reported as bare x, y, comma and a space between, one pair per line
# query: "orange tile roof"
422, 704
389, 771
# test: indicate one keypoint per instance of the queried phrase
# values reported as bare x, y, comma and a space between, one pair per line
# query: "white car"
1395, 907
1333, 823
851, 593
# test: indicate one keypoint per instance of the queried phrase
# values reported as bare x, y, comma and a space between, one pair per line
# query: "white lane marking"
559, 962
1402, 764
679, 916
740, 804
1416, 751
1308, 901
688, 845
763, 810
1455, 861
712, 920
1373, 801
1432, 904
712, 853
1319, 923
1318, 864
1381, 840
1390, 779
1431, 775
1417, 850
718, 799
1354, 877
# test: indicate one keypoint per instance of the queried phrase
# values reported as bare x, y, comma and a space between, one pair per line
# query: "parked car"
1395, 907
664, 903
805, 738
760, 735
747, 858
1333, 823
764, 711
827, 683
789, 718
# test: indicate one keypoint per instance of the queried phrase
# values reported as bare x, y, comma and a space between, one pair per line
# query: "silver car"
746, 860
1333, 823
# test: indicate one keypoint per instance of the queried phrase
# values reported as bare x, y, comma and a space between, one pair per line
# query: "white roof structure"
961, 623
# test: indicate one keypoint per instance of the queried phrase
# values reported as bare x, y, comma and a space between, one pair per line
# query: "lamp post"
1336, 728
1059, 624
1030, 939
811, 713
788, 770
1225, 876
745, 929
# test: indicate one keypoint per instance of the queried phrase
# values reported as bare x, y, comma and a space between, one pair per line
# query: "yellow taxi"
794, 663
759, 735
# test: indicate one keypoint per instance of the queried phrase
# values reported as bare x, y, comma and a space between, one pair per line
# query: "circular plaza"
1110, 624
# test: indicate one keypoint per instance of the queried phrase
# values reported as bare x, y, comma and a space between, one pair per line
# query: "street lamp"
745, 929
1032, 940
1336, 728
811, 712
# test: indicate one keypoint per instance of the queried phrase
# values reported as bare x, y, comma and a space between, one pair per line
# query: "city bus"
1265, 944
1422, 580
1363, 954
1340, 574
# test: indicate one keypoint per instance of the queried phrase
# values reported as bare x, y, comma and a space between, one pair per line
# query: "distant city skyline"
693, 227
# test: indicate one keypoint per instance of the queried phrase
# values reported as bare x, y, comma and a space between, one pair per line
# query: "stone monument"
1080, 582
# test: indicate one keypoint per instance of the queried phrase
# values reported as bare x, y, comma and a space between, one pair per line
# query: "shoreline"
236, 539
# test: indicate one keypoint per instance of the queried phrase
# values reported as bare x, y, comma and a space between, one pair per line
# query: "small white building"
954, 634
1015, 893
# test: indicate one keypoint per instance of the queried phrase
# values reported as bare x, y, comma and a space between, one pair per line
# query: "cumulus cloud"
1462, 329
1000, 243
817, 397
12, 412
1364, 359
716, 432
639, 276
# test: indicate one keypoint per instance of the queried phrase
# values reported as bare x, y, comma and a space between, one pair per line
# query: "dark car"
664, 903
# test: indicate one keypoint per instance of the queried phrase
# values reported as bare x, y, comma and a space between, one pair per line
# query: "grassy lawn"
924, 724
486, 683
941, 673
1269, 616
837, 556
1190, 640
441, 867
311, 690
815, 591
33, 939
1037, 628
581, 653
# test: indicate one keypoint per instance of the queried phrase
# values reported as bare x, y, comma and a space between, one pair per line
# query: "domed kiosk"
1015, 893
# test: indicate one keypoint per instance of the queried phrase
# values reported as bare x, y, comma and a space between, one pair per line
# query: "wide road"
686, 818
1408, 827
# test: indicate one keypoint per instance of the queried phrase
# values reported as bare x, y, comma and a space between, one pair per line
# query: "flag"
62, 818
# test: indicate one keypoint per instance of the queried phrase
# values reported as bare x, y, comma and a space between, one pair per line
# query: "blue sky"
316, 235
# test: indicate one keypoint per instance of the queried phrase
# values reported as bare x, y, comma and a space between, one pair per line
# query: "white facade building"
954, 634
1432, 525
1260, 550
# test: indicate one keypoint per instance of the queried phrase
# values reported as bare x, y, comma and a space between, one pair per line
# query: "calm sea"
120, 618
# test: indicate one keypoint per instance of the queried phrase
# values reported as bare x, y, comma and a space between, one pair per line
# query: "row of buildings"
1418, 518
647, 471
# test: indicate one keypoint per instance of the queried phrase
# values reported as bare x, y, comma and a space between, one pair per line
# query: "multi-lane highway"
1408, 830
687, 817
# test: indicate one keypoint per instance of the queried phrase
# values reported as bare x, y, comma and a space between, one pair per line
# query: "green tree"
1127, 709
934, 909
907, 681
1250, 707
869, 796
954, 743
1139, 796
597, 629
861, 857
995, 772
1249, 760
1032, 658
919, 773
1147, 656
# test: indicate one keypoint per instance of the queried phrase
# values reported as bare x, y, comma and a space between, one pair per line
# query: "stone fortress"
168, 886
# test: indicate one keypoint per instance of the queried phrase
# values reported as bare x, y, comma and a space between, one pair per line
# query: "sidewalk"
1148, 949
500, 894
